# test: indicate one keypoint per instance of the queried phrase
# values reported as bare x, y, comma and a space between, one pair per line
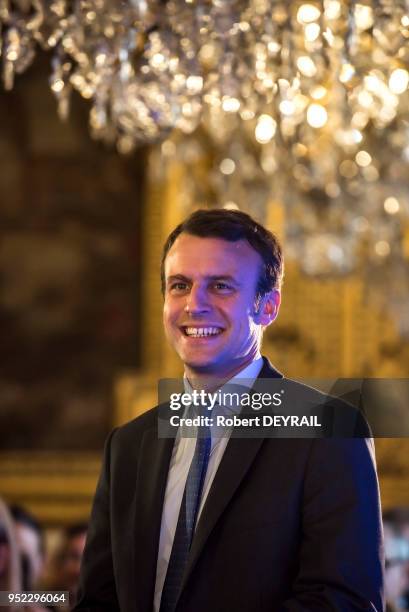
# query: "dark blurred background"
70, 261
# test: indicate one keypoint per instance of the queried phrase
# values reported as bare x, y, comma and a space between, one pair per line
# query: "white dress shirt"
182, 456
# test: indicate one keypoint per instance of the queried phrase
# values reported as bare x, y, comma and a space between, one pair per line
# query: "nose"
197, 302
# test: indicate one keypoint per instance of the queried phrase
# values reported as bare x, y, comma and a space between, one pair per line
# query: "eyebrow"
177, 277
223, 277
211, 278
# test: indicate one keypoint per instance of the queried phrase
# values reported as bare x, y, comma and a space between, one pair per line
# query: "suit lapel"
267, 371
236, 461
153, 466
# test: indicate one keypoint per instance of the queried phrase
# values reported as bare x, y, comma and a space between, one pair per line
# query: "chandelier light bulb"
398, 81
365, 99
363, 159
318, 92
382, 248
347, 72
246, 114
348, 169
230, 105
158, 60
265, 129
308, 13
194, 84
332, 9
317, 115
306, 66
227, 166
287, 107
391, 206
57, 85
311, 32
364, 16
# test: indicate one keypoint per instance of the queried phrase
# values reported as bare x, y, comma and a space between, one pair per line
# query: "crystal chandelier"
284, 70
302, 102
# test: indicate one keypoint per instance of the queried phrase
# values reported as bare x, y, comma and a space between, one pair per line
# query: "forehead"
195, 256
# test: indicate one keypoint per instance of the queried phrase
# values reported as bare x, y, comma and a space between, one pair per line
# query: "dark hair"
233, 225
72, 531
21, 515
24, 517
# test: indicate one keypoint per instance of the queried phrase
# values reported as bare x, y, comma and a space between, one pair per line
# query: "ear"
268, 308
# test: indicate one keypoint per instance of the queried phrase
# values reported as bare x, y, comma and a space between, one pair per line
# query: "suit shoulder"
343, 418
354, 454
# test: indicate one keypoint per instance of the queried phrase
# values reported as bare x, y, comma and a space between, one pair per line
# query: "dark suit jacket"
288, 525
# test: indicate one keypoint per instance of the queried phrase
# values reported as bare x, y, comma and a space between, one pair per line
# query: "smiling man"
227, 524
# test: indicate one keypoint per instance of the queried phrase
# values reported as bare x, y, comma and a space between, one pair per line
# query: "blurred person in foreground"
65, 569
30, 540
223, 524
396, 567
11, 562
10, 571
397, 519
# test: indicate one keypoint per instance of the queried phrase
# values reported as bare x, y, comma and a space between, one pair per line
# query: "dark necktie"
186, 522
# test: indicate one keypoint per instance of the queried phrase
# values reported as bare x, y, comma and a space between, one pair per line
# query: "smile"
202, 332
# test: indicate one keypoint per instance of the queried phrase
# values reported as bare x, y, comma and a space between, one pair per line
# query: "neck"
209, 380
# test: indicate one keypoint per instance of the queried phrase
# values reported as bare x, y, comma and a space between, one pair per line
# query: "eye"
178, 287
222, 287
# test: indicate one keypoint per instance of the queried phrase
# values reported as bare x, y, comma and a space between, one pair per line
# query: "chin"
199, 365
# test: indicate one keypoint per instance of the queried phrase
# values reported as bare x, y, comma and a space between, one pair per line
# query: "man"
240, 525
65, 569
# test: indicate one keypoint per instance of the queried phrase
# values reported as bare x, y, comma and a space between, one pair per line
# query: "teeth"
200, 332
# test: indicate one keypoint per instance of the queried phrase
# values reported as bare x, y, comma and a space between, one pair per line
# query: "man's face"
209, 313
71, 563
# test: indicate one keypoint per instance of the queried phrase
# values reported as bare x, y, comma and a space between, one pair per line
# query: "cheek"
171, 319
241, 310
168, 314
244, 323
